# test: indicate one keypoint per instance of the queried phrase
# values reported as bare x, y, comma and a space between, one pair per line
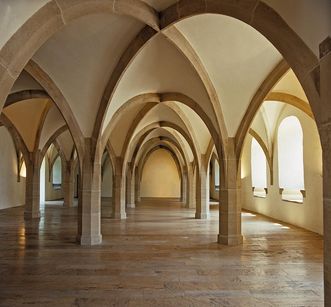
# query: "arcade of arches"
185, 144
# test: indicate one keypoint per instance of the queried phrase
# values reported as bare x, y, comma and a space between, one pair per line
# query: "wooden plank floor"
159, 256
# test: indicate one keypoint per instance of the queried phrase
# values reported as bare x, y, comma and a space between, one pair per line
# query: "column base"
68, 205
29, 215
90, 240
190, 206
131, 205
230, 240
119, 216
202, 215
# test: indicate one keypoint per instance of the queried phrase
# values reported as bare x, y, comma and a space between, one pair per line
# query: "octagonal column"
191, 184
229, 206
136, 185
183, 187
119, 190
32, 186
130, 187
324, 125
202, 191
89, 213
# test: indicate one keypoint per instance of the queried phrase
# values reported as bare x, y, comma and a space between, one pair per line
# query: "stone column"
32, 186
130, 187
191, 184
202, 191
68, 182
229, 206
324, 125
119, 190
212, 179
183, 187
137, 185
89, 201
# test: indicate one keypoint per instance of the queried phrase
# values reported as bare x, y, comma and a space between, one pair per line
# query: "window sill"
292, 196
260, 192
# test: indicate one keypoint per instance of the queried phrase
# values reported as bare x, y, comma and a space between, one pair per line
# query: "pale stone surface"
119, 190
32, 190
89, 204
202, 191
230, 208
136, 185
68, 182
191, 182
325, 134
183, 188
130, 187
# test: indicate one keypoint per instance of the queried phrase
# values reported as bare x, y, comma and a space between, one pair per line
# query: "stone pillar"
324, 125
119, 190
191, 184
137, 185
229, 203
183, 187
68, 182
32, 186
130, 187
212, 179
202, 191
89, 201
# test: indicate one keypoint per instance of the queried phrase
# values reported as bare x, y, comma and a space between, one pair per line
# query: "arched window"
217, 174
23, 170
259, 169
290, 159
57, 173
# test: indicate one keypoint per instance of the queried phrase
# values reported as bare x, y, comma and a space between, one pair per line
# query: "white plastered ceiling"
25, 82
159, 68
237, 59
289, 84
81, 57
200, 129
310, 19
270, 112
161, 113
165, 133
14, 13
120, 131
26, 116
183, 141
66, 143
266, 119
53, 122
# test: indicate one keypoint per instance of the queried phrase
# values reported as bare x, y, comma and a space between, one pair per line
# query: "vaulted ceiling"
199, 73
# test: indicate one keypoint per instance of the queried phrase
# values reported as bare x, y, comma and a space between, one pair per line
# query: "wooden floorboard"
159, 256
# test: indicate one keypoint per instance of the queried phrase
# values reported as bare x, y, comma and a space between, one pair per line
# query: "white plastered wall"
12, 193
160, 177
308, 215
